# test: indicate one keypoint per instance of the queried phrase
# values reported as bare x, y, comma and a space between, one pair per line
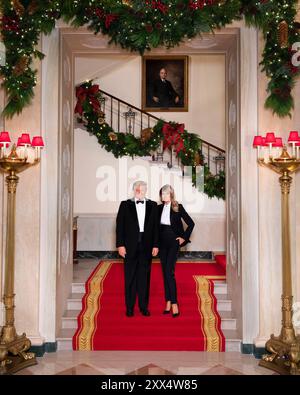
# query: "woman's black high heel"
174, 315
167, 311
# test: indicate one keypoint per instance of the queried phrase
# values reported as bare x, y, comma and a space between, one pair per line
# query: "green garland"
125, 144
139, 25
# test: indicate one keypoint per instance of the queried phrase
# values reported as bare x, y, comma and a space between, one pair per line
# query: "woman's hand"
181, 240
154, 251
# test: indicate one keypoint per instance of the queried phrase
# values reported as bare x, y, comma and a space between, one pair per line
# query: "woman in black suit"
172, 237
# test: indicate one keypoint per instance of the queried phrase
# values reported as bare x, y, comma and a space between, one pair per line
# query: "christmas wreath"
139, 25
172, 135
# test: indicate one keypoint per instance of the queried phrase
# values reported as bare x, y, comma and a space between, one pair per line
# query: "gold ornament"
198, 159
32, 8
127, 2
146, 135
101, 117
112, 136
283, 34
18, 7
21, 66
100, 114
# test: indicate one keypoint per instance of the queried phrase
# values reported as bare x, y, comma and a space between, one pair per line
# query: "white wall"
102, 181
121, 76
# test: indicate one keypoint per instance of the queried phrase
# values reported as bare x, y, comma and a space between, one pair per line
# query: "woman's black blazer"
176, 218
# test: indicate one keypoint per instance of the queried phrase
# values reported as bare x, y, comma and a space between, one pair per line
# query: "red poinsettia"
108, 18
158, 5
173, 136
10, 24
199, 4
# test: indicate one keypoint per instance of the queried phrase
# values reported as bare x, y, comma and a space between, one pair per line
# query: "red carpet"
221, 260
103, 325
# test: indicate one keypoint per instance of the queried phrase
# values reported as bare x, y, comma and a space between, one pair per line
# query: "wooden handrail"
130, 105
154, 117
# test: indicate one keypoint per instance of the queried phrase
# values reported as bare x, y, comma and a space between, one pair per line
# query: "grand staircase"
125, 117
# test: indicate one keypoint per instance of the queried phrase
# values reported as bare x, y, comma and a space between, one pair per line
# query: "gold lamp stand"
13, 348
284, 349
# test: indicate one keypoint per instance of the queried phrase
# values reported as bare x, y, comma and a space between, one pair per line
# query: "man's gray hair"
138, 184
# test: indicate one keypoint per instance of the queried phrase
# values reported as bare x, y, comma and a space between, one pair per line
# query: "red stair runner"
103, 325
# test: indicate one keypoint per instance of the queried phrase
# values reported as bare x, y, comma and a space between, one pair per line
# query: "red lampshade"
293, 137
278, 143
25, 139
264, 144
19, 144
37, 141
257, 141
4, 137
270, 138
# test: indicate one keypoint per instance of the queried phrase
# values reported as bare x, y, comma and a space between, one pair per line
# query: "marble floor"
145, 363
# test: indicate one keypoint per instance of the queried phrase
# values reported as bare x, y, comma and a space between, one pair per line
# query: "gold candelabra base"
284, 357
284, 349
13, 348
13, 355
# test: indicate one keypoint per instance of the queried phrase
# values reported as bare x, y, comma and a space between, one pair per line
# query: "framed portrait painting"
165, 83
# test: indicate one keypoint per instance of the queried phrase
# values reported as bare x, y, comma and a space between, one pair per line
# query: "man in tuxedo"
137, 241
163, 93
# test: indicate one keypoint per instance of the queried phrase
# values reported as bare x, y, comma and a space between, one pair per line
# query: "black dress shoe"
145, 313
129, 313
167, 312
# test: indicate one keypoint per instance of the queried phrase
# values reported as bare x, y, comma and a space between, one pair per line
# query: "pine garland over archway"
140, 25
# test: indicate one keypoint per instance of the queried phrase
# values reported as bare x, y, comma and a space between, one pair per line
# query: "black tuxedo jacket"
165, 92
128, 227
176, 218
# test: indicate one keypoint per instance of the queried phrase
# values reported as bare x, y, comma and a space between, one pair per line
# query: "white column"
49, 182
249, 189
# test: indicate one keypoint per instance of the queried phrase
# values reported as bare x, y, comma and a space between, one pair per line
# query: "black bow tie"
140, 201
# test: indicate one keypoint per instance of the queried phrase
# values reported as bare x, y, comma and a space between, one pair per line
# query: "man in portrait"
163, 93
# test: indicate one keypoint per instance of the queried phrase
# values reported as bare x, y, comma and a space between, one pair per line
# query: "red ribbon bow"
83, 94
173, 136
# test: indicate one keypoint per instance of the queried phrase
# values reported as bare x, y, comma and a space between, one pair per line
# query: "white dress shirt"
141, 212
165, 215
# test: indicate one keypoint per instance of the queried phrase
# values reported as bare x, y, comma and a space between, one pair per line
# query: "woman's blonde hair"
169, 188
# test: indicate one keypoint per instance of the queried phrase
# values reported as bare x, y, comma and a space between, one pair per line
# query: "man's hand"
181, 240
154, 251
156, 99
122, 251
177, 99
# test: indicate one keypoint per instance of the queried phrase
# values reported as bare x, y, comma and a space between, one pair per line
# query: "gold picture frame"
165, 91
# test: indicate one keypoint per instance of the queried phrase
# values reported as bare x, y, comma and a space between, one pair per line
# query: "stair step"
64, 340
220, 288
233, 341
69, 320
75, 302
71, 323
